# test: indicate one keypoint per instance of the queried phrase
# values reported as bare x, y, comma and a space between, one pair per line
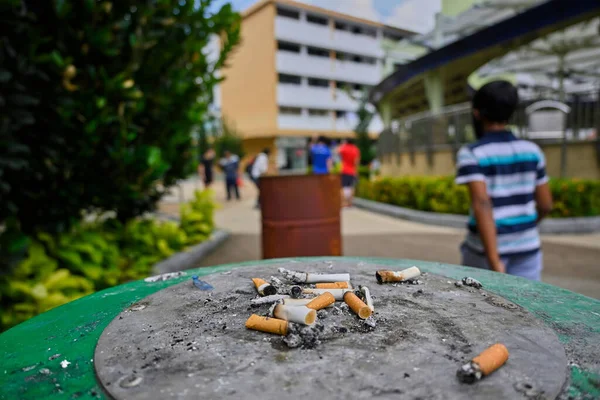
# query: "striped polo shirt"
512, 169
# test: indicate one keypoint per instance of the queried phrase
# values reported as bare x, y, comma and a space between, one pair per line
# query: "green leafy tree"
229, 139
97, 101
365, 115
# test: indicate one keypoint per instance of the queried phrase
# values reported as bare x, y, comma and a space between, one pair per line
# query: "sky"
416, 15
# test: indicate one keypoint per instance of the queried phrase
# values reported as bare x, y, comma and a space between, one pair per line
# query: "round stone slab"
185, 343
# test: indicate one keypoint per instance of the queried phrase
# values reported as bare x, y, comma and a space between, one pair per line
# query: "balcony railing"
314, 97
322, 36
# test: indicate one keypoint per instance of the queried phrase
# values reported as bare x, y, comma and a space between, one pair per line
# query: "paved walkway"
570, 261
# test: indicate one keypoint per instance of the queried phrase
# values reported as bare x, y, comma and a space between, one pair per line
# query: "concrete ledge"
189, 259
553, 225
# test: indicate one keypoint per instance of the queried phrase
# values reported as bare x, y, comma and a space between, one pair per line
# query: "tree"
97, 101
228, 139
365, 115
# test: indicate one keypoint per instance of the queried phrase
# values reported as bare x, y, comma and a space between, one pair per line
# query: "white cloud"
357, 8
416, 15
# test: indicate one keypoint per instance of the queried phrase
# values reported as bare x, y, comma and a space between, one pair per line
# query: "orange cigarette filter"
334, 285
321, 301
491, 358
269, 325
357, 305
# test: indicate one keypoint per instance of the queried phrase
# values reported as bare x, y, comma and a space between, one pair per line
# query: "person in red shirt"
350, 156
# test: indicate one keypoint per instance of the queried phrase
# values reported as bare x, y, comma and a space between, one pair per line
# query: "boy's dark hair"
496, 101
350, 141
267, 151
322, 139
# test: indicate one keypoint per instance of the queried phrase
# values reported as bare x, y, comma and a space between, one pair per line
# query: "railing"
452, 127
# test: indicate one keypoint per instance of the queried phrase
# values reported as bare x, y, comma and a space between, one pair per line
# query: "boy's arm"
482, 208
543, 201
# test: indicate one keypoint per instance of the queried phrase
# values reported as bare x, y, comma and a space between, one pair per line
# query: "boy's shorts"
348, 181
526, 266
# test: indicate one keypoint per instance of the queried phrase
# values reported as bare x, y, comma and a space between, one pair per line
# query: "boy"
508, 186
230, 165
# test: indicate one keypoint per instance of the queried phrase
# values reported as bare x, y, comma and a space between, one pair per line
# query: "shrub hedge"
95, 255
572, 197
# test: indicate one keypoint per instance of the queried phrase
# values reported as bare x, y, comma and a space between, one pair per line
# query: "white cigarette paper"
368, 300
299, 314
309, 277
299, 302
269, 299
338, 294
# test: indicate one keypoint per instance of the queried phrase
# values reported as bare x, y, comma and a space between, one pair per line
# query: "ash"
468, 281
310, 337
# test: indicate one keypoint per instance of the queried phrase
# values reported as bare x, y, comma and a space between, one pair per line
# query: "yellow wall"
581, 162
248, 93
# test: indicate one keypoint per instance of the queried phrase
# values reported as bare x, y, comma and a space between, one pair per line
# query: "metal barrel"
301, 216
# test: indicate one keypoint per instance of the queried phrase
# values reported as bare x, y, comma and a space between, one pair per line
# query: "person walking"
321, 157
260, 166
508, 186
350, 158
206, 167
230, 165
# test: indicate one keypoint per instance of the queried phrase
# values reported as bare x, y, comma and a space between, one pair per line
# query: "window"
370, 32
393, 36
313, 51
290, 79
313, 19
313, 112
288, 13
340, 26
356, 30
290, 111
340, 114
286, 46
318, 82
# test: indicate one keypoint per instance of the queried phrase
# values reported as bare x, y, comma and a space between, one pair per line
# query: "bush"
96, 255
572, 198
97, 103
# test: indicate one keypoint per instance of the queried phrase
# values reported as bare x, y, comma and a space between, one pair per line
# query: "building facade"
298, 73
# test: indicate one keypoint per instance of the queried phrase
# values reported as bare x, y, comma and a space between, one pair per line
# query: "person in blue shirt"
230, 165
321, 157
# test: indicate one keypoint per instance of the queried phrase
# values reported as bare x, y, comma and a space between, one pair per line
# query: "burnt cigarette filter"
484, 364
338, 294
263, 287
357, 305
296, 292
333, 285
384, 276
309, 277
268, 325
367, 296
321, 301
299, 314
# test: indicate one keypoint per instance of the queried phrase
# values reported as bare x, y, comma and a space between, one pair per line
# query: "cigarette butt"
368, 300
316, 278
299, 314
321, 301
269, 325
333, 285
491, 358
384, 276
338, 294
301, 302
263, 287
357, 305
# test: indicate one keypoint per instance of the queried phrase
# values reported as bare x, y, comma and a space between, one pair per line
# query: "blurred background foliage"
97, 102
572, 197
96, 254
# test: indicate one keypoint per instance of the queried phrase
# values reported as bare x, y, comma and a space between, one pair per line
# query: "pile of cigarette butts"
298, 300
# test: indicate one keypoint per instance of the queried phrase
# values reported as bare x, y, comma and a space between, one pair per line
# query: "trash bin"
301, 216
